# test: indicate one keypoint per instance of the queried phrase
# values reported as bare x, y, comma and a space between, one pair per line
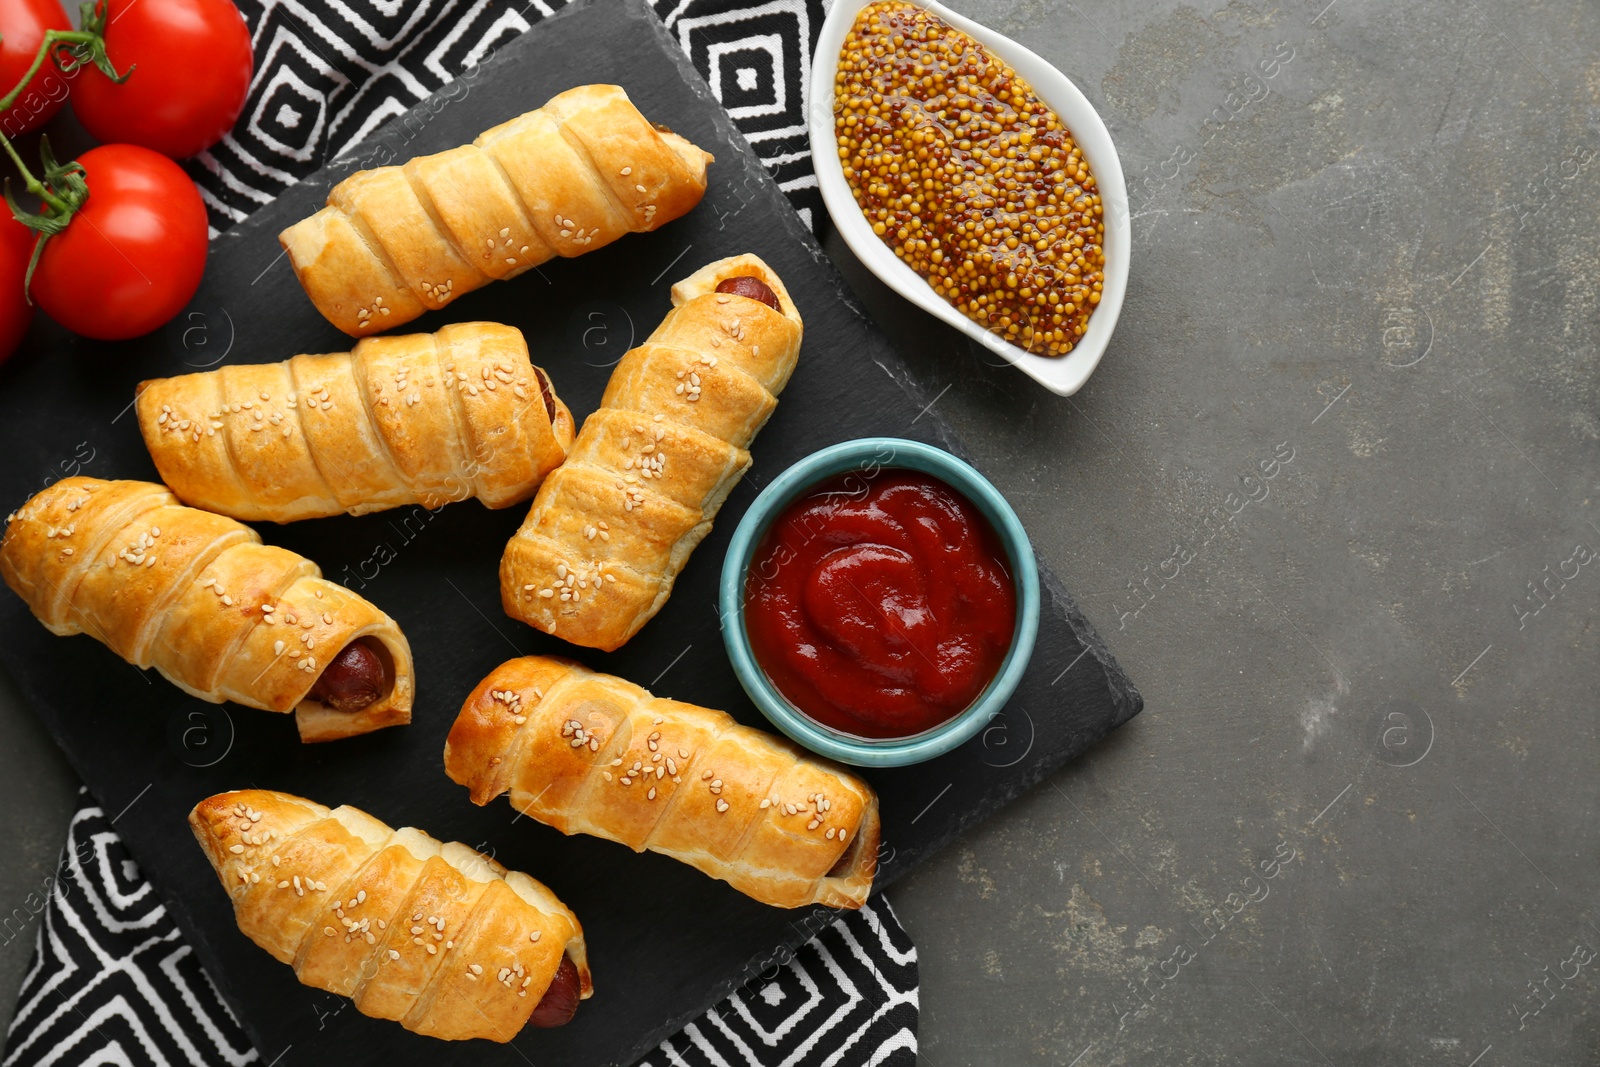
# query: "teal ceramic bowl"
867, 457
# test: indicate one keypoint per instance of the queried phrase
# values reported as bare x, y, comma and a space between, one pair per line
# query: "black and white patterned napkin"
329, 72
112, 981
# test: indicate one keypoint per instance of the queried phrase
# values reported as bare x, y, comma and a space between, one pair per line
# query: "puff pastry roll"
415, 419
437, 937
611, 528
587, 753
198, 597
566, 179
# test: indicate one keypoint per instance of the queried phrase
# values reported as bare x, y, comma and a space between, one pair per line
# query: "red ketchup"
880, 607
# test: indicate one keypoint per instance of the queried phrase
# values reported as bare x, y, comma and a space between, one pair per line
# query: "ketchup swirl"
880, 607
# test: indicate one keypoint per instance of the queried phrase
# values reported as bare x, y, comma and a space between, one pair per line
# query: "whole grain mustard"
969, 177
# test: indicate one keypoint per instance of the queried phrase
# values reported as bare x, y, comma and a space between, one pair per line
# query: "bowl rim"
867, 453
1062, 375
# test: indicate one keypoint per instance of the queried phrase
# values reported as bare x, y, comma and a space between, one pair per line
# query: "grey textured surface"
1382, 257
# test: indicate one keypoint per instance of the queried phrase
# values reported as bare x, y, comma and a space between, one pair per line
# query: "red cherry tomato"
22, 27
191, 66
132, 256
16, 246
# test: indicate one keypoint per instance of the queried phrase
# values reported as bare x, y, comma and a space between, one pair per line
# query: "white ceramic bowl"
1064, 375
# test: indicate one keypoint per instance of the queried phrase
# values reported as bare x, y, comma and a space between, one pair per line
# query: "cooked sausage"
355, 678
546, 394
560, 1001
754, 288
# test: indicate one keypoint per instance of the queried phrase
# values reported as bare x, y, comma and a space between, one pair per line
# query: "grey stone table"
1356, 823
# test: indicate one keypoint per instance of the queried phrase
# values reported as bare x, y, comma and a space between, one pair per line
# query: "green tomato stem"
36, 187
47, 47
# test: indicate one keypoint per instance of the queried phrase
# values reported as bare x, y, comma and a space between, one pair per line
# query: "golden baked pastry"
438, 937
198, 597
566, 179
611, 528
424, 418
588, 753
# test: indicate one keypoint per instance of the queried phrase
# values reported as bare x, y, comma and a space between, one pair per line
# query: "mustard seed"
972, 180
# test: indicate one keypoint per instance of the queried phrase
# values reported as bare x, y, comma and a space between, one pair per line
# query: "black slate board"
665, 942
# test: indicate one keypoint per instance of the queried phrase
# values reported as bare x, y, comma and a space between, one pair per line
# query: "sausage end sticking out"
560, 1001
546, 394
752, 288
847, 859
356, 678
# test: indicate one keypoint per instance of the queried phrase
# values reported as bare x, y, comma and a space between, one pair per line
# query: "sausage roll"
438, 937
611, 528
571, 177
415, 419
202, 600
587, 753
